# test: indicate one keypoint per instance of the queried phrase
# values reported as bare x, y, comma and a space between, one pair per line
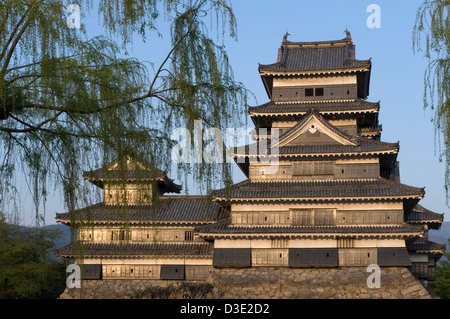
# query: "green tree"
432, 22
69, 104
442, 283
27, 267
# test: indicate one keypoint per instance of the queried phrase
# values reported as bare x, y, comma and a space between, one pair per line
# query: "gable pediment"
313, 130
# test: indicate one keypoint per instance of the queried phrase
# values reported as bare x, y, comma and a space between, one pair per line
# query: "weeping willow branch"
432, 22
78, 102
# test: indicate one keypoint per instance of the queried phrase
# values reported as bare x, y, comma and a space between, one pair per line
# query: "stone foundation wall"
320, 283
265, 282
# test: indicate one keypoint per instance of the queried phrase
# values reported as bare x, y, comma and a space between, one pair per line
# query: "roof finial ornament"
349, 36
285, 37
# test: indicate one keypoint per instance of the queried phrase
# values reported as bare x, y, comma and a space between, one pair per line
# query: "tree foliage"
27, 267
442, 283
69, 103
432, 23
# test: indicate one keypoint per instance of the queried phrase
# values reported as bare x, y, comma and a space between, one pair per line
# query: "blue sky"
396, 78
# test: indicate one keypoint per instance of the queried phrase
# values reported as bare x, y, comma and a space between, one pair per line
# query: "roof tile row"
319, 189
135, 249
167, 209
225, 227
271, 108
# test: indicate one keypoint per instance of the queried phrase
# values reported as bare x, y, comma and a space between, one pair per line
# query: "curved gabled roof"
345, 143
310, 118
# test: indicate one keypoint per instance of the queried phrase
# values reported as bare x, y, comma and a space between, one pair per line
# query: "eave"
114, 223
129, 250
359, 69
213, 236
300, 155
319, 199
330, 112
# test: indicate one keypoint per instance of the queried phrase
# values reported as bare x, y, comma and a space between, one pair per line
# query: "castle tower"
335, 197
138, 231
329, 197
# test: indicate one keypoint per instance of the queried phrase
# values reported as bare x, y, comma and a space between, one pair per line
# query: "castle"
334, 201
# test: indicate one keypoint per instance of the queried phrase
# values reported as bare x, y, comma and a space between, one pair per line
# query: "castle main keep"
308, 227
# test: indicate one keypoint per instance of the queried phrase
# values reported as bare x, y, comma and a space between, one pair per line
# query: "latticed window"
358, 171
313, 168
119, 235
313, 217
323, 217
303, 168
189, 235
309, 92
323, 168
269, 257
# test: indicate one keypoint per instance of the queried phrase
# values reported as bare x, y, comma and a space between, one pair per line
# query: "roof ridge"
147, 165
342, 41
184, 196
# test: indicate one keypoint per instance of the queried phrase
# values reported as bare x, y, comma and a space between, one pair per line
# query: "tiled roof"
319, 189
316, 56
421, 214
113, 171
364, 146
135, 249
99, 177
170, 209
224, 227
101, 174
425, 246
295, 108
147, 173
